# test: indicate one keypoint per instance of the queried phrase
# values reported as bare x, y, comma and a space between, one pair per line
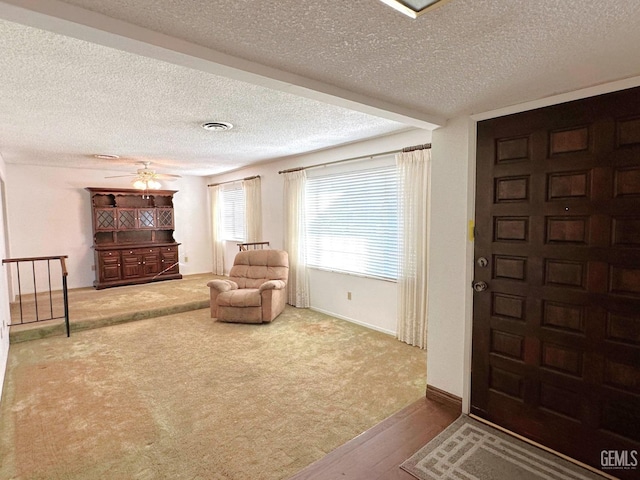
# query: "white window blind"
233, 214
352, 222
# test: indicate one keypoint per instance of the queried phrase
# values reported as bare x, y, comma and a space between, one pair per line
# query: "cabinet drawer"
170, 253
104, 254
146, 251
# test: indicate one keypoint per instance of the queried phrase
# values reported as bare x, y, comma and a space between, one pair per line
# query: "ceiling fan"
146, 178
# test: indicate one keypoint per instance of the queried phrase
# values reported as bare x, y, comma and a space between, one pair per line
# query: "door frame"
471, 200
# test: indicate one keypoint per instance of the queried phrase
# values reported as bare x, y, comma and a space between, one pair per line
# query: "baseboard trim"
357, 322
440, 396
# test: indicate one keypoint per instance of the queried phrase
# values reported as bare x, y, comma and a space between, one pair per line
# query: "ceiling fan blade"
146, 174
167, 176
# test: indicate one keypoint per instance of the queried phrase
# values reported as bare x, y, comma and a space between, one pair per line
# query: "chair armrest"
222, 285
272, 285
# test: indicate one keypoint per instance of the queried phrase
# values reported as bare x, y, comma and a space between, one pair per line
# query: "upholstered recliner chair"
256, 290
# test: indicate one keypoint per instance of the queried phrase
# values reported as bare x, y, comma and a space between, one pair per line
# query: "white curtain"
295, 238
413, 176
253, 209
216, 230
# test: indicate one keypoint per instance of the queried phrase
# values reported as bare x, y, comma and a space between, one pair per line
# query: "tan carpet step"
50, 328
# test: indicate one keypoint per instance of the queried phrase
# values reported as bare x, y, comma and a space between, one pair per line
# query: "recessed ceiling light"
217, 126
414, 8
106, 156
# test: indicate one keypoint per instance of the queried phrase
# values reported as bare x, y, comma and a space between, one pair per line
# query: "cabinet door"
146, 217
126, 218
150, 261
131, 264
165, 217
109, 266
169, 260
104, 219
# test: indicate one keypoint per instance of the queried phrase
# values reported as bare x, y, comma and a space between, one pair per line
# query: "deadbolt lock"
482, 262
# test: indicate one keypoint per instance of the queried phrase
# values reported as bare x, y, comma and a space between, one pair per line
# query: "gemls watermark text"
619, 459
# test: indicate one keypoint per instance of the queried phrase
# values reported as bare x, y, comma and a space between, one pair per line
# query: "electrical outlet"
93, 268
348, 295
186, 259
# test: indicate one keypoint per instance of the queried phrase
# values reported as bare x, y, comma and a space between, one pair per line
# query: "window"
352, 222
233, 213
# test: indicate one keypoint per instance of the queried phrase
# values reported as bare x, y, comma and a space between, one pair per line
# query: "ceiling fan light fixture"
414, 8
217, 126
149, 184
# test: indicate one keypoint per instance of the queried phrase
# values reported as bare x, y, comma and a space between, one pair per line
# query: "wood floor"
377, 453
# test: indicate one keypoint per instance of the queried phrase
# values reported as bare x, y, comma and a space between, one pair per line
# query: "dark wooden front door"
556, 331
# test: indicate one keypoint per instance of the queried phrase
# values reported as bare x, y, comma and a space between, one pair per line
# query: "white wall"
374, 302
192, 224
49, 213
5, 314
450, 253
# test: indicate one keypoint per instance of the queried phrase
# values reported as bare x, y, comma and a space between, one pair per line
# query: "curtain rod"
233, 181
424, 146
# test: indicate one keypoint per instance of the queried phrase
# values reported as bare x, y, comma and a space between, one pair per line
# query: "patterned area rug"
471, 450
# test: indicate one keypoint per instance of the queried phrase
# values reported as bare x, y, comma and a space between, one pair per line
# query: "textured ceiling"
63, 99
467, 56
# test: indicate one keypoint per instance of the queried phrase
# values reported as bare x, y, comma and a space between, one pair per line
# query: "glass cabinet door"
126, 218
105, 219
165, 217
146, 217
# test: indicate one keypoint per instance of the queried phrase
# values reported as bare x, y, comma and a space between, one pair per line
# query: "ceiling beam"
65, 19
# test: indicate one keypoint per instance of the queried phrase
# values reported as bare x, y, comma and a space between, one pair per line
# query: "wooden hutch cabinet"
133, 236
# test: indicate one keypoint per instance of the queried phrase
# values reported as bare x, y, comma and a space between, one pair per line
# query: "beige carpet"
184, 397
91, 308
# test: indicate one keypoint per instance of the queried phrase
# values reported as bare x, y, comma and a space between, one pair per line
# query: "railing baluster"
35, 288
252, 246
20, 294
50, 296
65, 294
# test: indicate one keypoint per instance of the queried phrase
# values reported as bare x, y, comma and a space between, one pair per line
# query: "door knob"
480, 286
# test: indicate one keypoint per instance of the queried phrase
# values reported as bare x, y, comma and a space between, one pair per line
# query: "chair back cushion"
254, 267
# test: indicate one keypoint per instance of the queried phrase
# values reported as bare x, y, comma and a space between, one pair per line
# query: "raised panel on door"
556, 335
109, 271
169, 260
131, 264
150, 261
109, 265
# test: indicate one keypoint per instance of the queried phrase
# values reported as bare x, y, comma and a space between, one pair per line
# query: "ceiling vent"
217, 126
